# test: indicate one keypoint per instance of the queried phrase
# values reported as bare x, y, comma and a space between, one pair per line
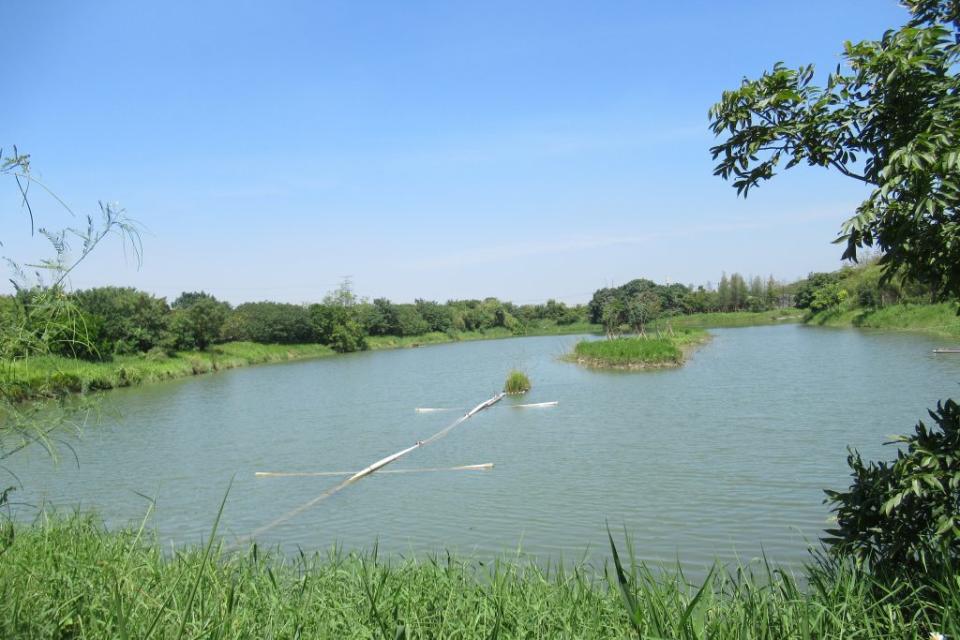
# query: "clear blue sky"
436, 150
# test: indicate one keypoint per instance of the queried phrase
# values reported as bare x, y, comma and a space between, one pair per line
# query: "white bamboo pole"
327, 474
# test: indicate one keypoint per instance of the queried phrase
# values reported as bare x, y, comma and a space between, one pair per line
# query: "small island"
638, 352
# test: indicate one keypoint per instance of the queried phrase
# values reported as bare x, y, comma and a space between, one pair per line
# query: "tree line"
862, 286
639, 302
123, 320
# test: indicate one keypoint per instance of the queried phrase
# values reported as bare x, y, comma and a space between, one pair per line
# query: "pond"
726, 457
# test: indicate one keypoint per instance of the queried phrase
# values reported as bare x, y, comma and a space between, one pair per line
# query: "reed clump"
517, 383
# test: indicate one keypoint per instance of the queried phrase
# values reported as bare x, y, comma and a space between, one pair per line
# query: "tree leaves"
898, 517
890, 118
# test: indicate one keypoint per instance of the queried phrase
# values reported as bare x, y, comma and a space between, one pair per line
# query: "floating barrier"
536, 405
315, 474
373, 468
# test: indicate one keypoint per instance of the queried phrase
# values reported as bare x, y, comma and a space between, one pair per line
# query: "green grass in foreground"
937, 319
637, 352
71, 579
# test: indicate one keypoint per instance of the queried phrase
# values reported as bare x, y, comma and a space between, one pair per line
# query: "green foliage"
613, 315
805, 290
892, 121
732, 294
829, 296
641, 309
517, 383
348, 336
127, 320
270, 323
197, 320
438, 317
338, 321
903, 518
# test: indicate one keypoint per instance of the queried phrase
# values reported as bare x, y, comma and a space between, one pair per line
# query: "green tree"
128, 320
829, 296
724, 295
738, 292
438, 317
772, 292
805, 290
270, 323
197, 320
890, 119
337, 321
613, 317
642, 309
902, 518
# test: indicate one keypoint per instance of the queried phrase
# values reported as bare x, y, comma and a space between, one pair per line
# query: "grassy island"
638, 352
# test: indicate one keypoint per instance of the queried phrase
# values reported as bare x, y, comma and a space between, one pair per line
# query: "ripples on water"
724, 457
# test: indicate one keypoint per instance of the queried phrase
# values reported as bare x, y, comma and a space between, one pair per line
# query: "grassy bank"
733, 319
436, 337
638, 352
70, 578
937, 319
50, 376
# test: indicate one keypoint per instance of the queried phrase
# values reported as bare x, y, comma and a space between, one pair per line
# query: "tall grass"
637, 352
517, 382
71, 578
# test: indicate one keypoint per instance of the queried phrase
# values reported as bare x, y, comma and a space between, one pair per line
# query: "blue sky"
437, 150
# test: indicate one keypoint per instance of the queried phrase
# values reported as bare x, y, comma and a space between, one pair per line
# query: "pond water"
724, 458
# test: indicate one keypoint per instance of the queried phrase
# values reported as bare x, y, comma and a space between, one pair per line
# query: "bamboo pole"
326, 474
536, 405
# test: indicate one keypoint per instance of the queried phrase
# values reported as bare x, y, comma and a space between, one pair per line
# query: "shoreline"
52, 377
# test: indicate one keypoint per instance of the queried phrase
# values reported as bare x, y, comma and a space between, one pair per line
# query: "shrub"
348, 337
902, 518
126, 320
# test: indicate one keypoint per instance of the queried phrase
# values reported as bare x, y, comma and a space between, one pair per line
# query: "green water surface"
725, 457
